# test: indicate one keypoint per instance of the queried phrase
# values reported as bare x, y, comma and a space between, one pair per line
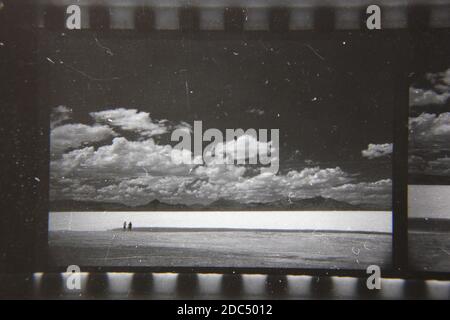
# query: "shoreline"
162, 229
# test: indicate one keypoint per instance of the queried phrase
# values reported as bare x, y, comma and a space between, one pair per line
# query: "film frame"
29, 243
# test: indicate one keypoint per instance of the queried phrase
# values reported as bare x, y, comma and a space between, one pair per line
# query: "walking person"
124, 225
130, 226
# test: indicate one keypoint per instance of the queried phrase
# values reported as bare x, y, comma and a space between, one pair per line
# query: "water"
369, 221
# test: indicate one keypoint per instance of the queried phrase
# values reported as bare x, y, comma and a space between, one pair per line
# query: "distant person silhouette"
124, 225
130, 226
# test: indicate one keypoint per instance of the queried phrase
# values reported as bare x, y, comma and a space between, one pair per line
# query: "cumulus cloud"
315, 177
59, 115
377, 150
140, 171
429, 133
371, 192
142, 189
428, 130
429, 143
121, 158
439, 166
136, 172
131, 120
439, 93
69, 136
440, 80
416, 163
421, 97
220, 173
246, 147
266, 186
207, 185
184, 126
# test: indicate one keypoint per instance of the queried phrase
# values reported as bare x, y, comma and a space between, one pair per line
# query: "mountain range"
309, 204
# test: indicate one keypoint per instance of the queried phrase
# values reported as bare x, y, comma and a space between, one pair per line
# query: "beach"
175, 247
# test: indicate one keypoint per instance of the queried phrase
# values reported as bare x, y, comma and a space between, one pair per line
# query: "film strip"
214, 286
190, 16
233, 16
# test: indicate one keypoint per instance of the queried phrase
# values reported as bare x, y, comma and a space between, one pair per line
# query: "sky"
429, 112
115, 103
429, 124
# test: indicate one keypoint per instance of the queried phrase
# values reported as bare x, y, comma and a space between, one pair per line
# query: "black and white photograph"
429, 163
232, 152
195, 153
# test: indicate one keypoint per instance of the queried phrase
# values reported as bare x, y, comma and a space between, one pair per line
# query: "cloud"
184, 126
140, 171
229, 182
220, 173
131, 120
421, 97
440, 80
142, 189
416, 163
429, 130
375, 193
377, 150
59, 115
266, 187
121, 158
69, 136
136, 172
429, 144
245, 147
209, 184
429, 133
439, 166
439, 94
315, 177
